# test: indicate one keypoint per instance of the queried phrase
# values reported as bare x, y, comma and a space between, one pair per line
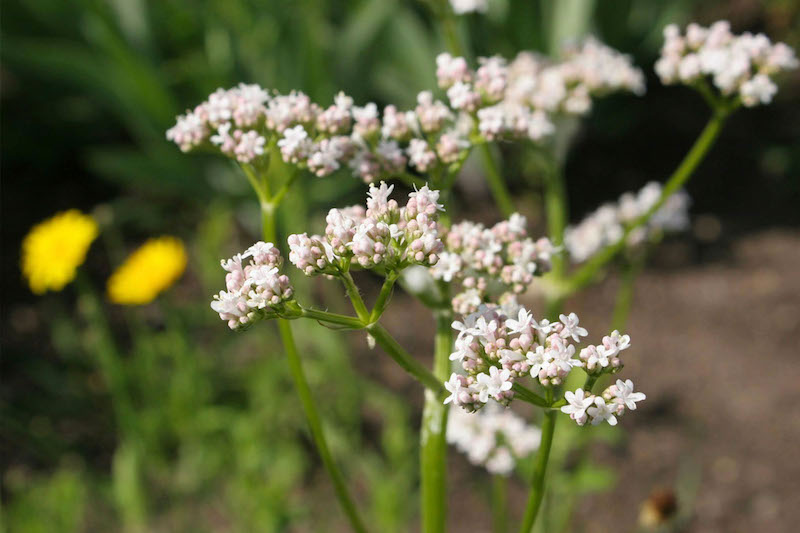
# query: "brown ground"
716, 350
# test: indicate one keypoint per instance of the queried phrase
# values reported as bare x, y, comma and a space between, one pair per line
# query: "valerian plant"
488, 350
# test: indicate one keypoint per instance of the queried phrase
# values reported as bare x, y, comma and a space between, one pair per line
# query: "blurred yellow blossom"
54, 249
148, 271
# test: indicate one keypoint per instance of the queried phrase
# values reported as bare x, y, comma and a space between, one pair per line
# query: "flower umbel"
253, 289
148, 271
54, 249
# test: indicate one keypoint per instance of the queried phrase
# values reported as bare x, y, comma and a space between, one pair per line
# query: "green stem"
529, 396
268, 229
588, 385
539, 472
416, 369
588, 271
332, 318
433, 445
383, 296
624, 299
355, 297
304, 392
496, 183
278, 197
499, 504
315, 425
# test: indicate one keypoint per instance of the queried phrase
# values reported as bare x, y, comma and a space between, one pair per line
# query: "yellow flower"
147, 272
54, 249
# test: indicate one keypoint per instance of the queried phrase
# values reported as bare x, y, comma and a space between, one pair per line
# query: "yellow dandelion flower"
53, 250
147, 272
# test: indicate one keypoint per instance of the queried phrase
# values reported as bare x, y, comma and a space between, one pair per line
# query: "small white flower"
601, 412
626, 396
578, 402
614, 343
522, 322
571, 327
496, 382
454, 387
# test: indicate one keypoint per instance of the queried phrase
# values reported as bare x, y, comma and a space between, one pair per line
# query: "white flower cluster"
738, 65
494, 350
495, 438
606, 225
497, 99
384, 234
229, 119
582, 406
491, 263
536, 87
253, 289
241, 122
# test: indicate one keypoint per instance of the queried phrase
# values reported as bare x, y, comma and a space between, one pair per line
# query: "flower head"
147, 272
54, 249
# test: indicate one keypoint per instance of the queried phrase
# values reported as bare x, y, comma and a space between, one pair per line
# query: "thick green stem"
433, 445
416, 369
539, 472
496, 183
588, 271
268, 229
315, 425
499, 502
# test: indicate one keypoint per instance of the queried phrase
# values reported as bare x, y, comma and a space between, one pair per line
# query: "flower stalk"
587, 273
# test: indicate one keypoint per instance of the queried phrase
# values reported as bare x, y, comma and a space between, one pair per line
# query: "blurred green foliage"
214, 440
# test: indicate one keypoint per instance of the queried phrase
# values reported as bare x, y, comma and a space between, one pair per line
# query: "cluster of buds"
253, 289
384, 234
606, 225
494, 438
491, 263
495, 350
584, 406
495, 100
739, 66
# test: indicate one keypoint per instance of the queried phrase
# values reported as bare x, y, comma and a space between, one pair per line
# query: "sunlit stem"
433, 445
